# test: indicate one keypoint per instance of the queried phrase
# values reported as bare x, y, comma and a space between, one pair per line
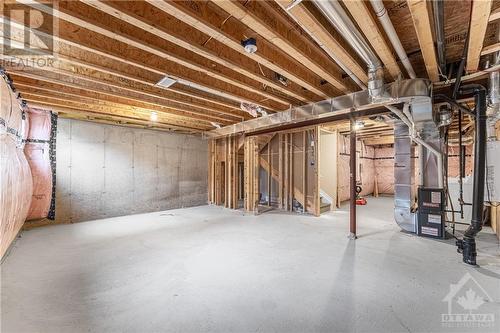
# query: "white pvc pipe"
384, 19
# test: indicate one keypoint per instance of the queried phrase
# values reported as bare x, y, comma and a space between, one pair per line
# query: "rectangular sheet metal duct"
411, 90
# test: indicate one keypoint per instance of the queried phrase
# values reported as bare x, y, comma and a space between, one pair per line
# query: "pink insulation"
365, 168
15, 175
37, 152
384, 169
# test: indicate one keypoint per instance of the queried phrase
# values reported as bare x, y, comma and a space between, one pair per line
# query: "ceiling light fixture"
359, 125
250, 45
166, 82
154, 116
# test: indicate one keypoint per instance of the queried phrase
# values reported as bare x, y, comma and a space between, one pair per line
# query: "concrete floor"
208, 269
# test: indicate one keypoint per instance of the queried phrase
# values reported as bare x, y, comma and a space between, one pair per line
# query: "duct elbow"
473, 229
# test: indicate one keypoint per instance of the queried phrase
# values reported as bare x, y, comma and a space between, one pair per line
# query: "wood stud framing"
276, 155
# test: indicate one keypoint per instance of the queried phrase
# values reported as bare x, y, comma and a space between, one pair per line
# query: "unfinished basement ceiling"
110, 55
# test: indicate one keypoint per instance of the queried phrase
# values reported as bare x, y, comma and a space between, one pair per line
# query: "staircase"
324, 206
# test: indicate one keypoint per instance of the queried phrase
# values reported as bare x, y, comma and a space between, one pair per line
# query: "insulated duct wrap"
15, 176
365, 172
384, 168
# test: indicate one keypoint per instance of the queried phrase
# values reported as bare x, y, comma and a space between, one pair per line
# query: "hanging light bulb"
359, 125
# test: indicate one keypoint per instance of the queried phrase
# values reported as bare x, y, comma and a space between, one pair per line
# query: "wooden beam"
324, 38
363, 17
104, 87
115, 31
86, 45
386, 140
111, 120
229, 33
477, 30
97, 99
420, 14
131, 102
490, 49
494, 15
282, 37
110, 109
103, 112
155, 24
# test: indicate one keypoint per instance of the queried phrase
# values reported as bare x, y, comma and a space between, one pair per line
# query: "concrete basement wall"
105, 171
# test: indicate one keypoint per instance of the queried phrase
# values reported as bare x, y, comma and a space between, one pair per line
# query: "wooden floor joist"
118, 90
478, 24
152, 22
230, 32
361, 13
120, 65
73, 13
256, 15
310, 22
421, 16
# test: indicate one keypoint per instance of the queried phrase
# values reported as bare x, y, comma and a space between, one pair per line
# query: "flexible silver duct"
338, 17
381, 12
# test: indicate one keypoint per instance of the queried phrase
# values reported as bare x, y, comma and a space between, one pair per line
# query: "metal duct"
381, 12
494, 82
334, 12
404, 189
417, 124
438, 9
326, 49
411, 90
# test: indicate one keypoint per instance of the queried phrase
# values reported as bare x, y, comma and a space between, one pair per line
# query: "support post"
269, 172
304, 170
352, 164
280, 170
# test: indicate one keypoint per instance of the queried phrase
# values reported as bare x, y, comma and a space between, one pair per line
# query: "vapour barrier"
37, 150
454, 161
384, 168
16, 184
365, 168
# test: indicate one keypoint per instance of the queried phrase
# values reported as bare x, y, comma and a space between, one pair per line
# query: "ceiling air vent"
166, 82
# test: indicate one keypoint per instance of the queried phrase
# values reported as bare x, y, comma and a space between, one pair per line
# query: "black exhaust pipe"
467, 245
